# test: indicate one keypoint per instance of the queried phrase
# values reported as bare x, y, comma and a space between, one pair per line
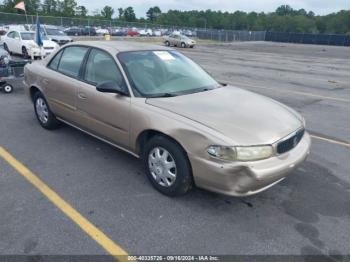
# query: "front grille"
291, 142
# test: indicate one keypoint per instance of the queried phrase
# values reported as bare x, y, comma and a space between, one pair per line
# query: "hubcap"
162, 166
7, 89
41, 110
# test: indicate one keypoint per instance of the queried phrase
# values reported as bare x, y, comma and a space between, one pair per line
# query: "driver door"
103, 114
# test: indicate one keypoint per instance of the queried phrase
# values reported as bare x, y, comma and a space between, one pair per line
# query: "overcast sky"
141, 6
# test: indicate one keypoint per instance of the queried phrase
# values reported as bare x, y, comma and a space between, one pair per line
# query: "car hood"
245, 117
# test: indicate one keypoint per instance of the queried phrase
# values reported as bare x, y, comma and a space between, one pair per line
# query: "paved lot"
308, 213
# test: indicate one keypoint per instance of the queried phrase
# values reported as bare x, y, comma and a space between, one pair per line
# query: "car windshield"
52, 31
164, 73
31, 36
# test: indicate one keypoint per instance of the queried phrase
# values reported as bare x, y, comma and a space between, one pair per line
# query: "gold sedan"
160, 106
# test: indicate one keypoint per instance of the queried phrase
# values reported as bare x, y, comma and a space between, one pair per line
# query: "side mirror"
111, 87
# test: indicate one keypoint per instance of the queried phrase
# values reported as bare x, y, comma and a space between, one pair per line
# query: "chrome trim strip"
99, 138
274, 145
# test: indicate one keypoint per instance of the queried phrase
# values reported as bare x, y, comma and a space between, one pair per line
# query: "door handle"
82, 96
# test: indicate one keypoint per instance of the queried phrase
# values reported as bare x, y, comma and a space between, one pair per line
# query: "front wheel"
25, 52
167, 166
7, 48
167, 43
183, 45
43, 113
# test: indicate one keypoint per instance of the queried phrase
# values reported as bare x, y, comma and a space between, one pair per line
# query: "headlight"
222, 152
251, 153
240, 153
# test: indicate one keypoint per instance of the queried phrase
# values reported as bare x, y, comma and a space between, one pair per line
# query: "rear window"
71, 60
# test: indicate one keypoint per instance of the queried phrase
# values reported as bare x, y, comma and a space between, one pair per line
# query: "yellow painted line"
111, 247
331, 141
293, 92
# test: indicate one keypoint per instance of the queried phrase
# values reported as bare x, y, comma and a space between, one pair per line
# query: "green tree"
120, 13
107, 12
284, 10
153, 13
49, 7
129, 14
67, 7
81, 11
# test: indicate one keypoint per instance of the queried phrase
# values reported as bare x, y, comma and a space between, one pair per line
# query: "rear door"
10, 41
62, 81
104, 114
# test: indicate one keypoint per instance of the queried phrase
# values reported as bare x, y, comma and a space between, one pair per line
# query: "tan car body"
223, 116
178, 40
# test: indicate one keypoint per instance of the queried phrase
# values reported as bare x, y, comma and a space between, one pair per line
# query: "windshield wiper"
163, 95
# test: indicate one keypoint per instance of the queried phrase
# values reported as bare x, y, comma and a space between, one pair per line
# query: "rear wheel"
43, 113
7, 88
167, 166
167, 43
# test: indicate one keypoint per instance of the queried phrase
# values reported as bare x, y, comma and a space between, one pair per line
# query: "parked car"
102, 31
160, 106
118, 32
132, 33
22, 42
179, 40
89, 31
157, 33
145, 32
55, 34
74, 31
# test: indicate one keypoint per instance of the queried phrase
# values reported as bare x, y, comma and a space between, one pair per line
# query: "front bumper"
248, 178
37, 52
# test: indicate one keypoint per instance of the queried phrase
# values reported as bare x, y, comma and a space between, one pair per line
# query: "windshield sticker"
164, 55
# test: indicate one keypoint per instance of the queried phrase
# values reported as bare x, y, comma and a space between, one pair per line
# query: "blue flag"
38, 38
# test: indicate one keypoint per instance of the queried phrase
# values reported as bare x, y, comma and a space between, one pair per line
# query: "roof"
121, 46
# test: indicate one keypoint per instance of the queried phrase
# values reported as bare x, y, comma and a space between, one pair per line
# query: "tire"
7, 88
24, 52
45, 117
7, 48
191, 46
167, 43
183, 45
180, 181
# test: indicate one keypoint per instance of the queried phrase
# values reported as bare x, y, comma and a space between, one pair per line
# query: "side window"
15, 35
54, 62
71, 60
10, 35
101, 67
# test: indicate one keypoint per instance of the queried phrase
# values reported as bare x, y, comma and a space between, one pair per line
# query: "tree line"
283, 19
